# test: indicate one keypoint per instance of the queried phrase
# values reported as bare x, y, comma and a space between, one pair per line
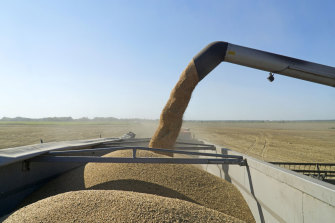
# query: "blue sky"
122, 58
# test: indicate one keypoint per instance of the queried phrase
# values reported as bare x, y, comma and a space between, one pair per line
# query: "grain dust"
172, 115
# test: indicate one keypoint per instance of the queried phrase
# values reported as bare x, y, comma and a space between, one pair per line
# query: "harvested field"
312, 141
184, 182
115, 206
308, 141
18, 134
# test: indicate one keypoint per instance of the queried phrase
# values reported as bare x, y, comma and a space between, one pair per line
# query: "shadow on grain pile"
184, 182
115, 206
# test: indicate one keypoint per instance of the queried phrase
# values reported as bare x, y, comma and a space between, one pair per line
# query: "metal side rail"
67, 156
321, 171
179, 145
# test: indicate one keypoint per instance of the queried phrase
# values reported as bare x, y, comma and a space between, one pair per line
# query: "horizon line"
69, 118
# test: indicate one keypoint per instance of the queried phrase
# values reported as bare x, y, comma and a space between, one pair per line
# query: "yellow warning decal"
231, 53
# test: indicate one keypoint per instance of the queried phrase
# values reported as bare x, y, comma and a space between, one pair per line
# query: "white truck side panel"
275, 194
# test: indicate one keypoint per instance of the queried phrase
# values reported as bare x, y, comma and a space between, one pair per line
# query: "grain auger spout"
211, 56
216, 52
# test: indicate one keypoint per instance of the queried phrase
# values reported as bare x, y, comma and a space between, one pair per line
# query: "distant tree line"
58, 119
68, 119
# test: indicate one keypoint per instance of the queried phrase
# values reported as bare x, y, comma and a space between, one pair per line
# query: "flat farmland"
312, 141
20, 134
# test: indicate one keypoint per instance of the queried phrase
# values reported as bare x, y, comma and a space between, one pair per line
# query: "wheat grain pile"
184, 182
172, 115
115, 206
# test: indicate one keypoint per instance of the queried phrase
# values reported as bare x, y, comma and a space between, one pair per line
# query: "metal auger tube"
216, 52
